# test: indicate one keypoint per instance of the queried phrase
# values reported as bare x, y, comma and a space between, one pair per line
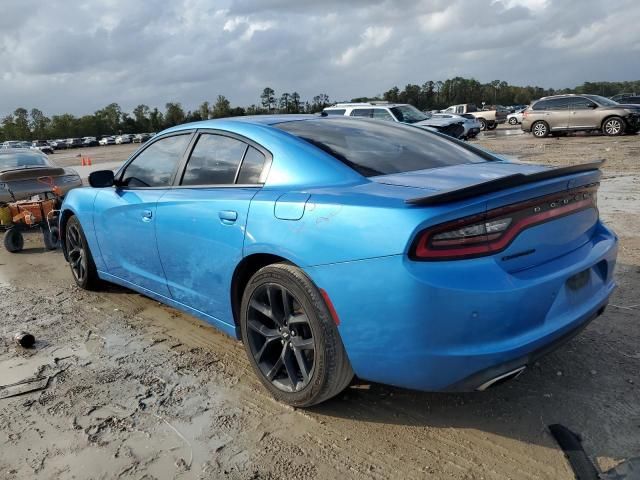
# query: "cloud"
78, 56
372, 38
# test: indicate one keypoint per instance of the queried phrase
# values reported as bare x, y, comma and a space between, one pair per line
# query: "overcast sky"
77, 56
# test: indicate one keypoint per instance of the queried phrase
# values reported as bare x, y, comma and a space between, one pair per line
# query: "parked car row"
49, 146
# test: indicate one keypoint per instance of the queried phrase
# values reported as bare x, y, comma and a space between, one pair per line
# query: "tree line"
23, 124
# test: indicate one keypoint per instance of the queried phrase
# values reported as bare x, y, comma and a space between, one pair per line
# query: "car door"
582, 113
125, 222
201, 223
556, 113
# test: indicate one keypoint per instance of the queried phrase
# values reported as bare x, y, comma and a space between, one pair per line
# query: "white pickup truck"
489, 119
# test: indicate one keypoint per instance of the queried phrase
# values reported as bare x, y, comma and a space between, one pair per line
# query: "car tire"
51, 237
79, 256
513, 121
291, 338
540, 129
483, 124
493, 126
613, 126
13, 240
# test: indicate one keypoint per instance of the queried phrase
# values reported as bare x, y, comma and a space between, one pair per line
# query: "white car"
516, 117
126, 138
107, 141
397, 112
470, 123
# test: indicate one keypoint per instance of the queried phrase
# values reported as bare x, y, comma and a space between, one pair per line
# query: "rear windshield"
17, 160
380, 148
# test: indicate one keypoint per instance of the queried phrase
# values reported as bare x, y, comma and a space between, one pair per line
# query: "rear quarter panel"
344, 224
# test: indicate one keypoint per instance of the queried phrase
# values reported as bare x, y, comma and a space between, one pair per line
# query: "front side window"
580, 103
408, 114
214, 161
335, 111
155, 166
382, 114
375, 148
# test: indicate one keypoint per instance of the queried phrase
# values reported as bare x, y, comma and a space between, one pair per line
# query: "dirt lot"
139, 390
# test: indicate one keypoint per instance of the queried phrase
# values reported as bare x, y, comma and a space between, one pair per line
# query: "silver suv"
564, 113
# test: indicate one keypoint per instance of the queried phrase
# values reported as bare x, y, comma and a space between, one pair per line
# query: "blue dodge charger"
334, 246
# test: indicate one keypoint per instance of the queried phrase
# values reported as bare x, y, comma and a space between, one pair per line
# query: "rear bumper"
454, 325
485, 377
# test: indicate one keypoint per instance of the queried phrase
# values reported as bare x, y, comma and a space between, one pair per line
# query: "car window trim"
120, 173
268, 160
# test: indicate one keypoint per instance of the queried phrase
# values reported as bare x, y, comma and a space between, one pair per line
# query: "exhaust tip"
501, 378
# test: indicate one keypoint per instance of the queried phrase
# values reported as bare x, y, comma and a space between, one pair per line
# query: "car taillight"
493, 231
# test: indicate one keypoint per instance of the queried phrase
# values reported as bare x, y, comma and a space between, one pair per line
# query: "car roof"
563, 95
258, 120
365, 105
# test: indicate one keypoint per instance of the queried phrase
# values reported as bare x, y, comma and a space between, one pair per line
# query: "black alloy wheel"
280, 337
291, 337
79, 256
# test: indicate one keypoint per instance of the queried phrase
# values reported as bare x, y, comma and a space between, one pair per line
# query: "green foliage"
222, 107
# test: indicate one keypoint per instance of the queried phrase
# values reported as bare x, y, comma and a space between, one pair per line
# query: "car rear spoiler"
502, 183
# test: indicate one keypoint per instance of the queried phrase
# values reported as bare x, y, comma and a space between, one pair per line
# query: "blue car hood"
456, 176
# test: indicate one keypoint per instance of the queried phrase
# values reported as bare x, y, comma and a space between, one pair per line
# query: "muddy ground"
129, 388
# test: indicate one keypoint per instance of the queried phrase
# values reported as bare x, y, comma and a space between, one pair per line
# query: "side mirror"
102, 179
593, 105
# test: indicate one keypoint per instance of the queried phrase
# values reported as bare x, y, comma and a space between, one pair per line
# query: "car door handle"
147, 215
228, 216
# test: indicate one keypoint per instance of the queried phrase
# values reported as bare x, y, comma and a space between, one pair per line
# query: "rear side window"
252, 167
337, 111
214, 161
155, 166
375, 148
361, 112
552, 104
